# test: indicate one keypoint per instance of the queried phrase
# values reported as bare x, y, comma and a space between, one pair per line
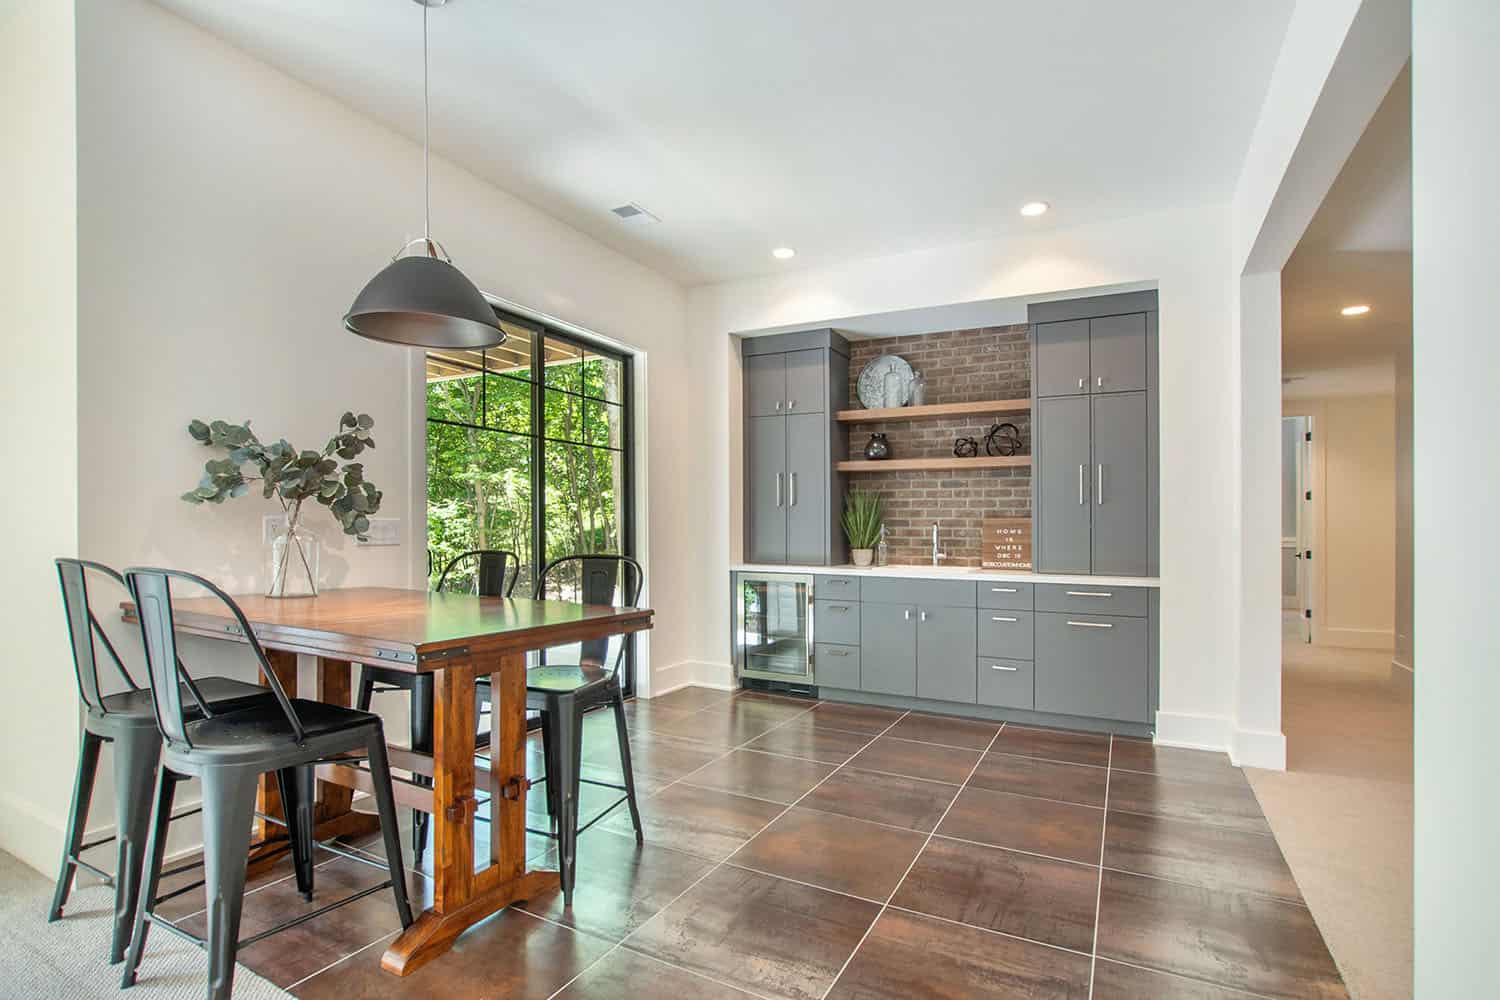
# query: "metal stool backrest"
84, 629
493, 567
613, 580
152, 590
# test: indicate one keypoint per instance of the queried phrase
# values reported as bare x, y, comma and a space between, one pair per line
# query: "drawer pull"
999, 666
1003, 618
1090, 624
838, 607
1089, 593
1004, 590
839, 652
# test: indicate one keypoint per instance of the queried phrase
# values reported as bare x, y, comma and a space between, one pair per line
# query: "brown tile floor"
841, 852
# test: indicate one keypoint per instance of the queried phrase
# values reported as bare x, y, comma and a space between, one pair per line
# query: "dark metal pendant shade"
424, 302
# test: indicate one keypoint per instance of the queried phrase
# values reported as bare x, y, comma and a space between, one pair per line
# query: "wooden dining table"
455, 638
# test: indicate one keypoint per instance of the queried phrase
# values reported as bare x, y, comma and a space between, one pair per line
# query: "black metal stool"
127, 721
563, 692
229, 752
492, 567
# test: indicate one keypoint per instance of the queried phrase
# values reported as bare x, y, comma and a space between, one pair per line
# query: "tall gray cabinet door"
765, 489
806, 381
1062, 477
1060, 363
946, 648
1119, 485
807, 471
1117, 353
765, 384
887, 649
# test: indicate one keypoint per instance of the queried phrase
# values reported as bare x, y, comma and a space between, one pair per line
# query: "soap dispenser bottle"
882, 550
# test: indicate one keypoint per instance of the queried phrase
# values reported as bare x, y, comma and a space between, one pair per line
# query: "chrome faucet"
936, 555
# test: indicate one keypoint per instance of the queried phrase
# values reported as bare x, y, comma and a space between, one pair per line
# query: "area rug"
69, 958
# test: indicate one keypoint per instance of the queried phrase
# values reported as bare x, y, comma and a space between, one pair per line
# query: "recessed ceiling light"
1034, 208
1355, 310
783, 253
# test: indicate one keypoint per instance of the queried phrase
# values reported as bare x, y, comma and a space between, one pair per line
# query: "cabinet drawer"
836, 588
1092, 665
836, 621
1004, 633
931, 593
836, 666
1003, 594
1091, 600
1005, 683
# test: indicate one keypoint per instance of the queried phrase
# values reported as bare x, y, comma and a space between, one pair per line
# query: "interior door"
1119, 487
807, 471
1060, 362
765, 384
1063, 511
765, 490
1117, 353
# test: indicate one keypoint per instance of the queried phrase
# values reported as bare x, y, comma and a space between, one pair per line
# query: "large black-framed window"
529, 449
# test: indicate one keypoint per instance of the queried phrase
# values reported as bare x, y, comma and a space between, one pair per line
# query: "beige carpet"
69, 959
1342, 811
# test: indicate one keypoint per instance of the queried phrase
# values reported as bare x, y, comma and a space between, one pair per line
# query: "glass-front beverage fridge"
773, 625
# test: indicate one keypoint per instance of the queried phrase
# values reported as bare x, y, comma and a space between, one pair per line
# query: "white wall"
38, 409
1187, 252
227, 215
1354, 472
1405, 643
1455, 204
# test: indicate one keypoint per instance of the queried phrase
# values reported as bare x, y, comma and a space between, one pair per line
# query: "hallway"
1342, 811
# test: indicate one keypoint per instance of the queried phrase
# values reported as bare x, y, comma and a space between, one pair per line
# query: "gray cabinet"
945, 654
1121, 517
888, 649
836, 666
1061, 358
1117, 353
1005, 633
836, 621
1061, 476
1006, 683
1092, 665
793, 495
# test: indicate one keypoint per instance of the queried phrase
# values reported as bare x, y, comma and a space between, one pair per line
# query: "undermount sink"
924, 568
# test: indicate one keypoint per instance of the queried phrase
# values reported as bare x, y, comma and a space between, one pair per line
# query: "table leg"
462, 897
268, 800
335, 687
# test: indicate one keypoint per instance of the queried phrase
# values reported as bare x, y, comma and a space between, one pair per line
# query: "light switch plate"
383, 531
270, 526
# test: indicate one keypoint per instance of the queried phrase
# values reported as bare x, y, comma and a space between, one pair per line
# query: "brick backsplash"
960, 366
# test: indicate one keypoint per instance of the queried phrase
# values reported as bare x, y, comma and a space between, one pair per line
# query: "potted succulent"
293, 477
864, 513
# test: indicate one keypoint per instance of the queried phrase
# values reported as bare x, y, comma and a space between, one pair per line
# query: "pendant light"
422, 299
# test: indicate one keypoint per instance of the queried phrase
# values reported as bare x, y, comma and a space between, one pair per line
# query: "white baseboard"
1193, 732
1258, 748
1357, 638
30, 834
691, 673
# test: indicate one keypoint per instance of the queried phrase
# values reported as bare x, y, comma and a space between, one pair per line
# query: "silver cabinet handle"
841, 608
839, 652
792, 490
908, 614
1090, 624
791, 404
1101, 484
778, 404
1081, 382
1004, 590
1080, 486
1099, 382
1003, 618
922, 616
1001, 666
778, 489
1088, 593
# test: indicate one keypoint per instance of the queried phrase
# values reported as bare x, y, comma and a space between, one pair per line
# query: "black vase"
878, 448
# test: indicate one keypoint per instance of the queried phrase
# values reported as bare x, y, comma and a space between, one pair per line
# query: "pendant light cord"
426, 141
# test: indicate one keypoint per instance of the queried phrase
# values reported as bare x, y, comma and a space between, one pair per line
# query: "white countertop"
956, 573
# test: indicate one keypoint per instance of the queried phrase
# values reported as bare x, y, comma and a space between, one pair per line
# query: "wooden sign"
1006, 543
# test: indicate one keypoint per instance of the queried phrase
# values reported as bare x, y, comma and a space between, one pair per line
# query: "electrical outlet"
383, 531
270, 526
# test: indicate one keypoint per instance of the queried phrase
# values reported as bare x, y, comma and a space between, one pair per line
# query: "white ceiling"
1357, 250
842, 128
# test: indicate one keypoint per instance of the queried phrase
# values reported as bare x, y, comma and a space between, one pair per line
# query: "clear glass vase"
294, 563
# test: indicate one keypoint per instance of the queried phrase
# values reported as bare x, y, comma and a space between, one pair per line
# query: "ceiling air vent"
633, 213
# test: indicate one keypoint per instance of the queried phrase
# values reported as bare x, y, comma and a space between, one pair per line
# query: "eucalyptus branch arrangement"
290, 475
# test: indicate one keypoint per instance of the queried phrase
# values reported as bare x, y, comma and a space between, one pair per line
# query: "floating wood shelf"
935, 464
934, 411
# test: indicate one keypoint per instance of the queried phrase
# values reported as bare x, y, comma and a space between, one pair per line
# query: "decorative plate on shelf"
885, 383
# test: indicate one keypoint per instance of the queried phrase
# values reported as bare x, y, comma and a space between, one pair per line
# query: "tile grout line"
1099, 894
720, 864
917, 857
338, 961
